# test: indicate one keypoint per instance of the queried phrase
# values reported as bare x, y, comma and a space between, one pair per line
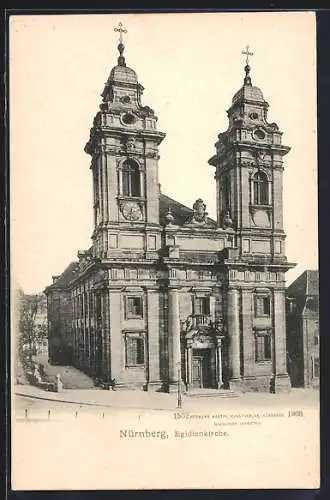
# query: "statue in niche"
187, 324
200, 213
227, 221
130, 144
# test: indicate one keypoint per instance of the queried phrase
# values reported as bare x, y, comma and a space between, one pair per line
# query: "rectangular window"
202, 306
262, 306
263, 347
134, 307
134, 354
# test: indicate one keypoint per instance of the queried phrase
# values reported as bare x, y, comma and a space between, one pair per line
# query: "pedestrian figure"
59, 383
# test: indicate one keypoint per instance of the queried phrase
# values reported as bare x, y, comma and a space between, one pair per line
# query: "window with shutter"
134, 350
131, 179
202, 306
263, 347
134, 307
262, 305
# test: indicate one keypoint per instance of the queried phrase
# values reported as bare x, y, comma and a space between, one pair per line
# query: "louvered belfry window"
260, 189
131, 179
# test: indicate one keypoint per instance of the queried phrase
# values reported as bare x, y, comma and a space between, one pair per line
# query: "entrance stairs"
209, 393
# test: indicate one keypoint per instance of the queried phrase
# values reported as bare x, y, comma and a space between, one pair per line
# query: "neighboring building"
165, 291
303, 336
60, 318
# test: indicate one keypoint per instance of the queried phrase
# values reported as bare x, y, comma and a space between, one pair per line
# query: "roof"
312, 282
64, 279
306, 284
248, 92
180, 212
123, 74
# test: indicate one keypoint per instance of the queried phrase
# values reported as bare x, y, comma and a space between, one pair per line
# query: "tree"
32, 321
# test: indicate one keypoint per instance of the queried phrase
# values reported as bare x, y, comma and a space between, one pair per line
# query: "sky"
191, 66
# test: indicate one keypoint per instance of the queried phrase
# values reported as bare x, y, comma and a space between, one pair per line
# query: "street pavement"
80, 393
37, 402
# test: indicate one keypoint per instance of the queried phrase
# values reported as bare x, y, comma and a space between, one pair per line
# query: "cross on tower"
247, 53
120, 30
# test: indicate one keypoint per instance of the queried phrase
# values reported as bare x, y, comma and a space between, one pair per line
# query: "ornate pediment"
196, 330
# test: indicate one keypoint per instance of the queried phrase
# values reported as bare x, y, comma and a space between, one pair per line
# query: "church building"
165, 293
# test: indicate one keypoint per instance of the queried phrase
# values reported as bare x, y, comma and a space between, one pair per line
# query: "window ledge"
255, 206
133, 198
141, 367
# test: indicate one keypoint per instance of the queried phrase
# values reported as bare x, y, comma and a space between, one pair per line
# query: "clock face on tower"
131, 210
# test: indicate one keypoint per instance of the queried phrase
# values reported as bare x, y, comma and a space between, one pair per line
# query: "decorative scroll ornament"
130, 144
200, 213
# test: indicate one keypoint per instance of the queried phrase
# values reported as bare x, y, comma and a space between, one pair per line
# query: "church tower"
248, 171
124, 148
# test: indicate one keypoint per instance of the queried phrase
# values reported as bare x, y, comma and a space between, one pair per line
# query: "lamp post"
179, 385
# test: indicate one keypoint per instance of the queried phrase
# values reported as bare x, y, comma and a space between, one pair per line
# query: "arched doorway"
203, 357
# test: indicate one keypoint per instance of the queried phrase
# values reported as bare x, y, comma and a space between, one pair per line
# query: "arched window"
260, 189
131, 179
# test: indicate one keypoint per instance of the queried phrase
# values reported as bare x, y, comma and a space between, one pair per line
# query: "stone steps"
209, 393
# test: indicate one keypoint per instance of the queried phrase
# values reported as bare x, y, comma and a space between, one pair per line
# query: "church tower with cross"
166, 297
123, 145
249, 183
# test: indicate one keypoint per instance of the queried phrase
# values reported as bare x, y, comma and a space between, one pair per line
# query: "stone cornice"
236, 145
183, 263
205, 231
120, 131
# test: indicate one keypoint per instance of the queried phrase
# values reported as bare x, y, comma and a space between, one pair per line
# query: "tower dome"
122, 73
248, 92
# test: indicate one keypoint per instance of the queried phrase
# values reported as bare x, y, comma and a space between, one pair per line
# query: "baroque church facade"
165, 293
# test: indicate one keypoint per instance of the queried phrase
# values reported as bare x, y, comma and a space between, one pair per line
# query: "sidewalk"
132, 399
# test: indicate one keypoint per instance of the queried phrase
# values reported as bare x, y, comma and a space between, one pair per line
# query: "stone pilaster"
248, 337
233, 334
106, 335
153, 339
116, 343
281, 379
174, 350
188, 356
219, 364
